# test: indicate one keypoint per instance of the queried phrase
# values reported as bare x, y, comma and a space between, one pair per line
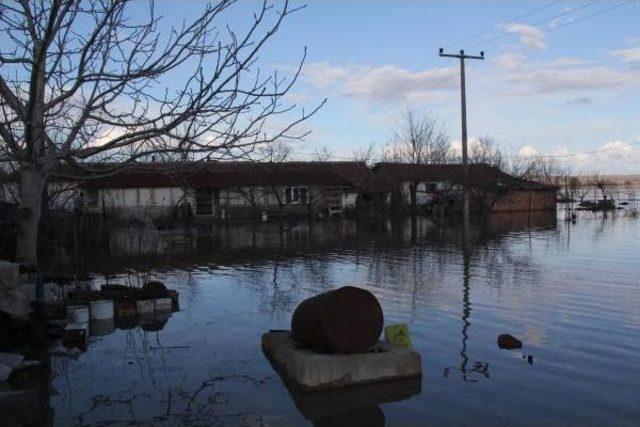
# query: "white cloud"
323, 74
617, 157
619, 150
456, 145
631, 55
510, 61
528, 151
565, 75
580, 100
387, 83
531, 37
554, 79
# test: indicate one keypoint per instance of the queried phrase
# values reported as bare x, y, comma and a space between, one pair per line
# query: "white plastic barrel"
78, 313
146, 307
163, 305
102, 310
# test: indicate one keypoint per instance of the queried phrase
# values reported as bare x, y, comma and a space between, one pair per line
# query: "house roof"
221, 174
480, 175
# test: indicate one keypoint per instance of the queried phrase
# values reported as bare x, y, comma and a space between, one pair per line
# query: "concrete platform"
310, 370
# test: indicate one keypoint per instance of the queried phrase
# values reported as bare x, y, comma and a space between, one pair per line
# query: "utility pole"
463, 101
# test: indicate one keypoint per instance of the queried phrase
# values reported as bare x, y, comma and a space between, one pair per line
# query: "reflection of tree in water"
162, 400
180, 406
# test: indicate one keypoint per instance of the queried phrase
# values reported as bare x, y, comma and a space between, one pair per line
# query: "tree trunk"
28, 216
413, 188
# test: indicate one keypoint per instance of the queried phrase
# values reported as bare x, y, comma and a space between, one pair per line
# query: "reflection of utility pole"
463, 100
466, 304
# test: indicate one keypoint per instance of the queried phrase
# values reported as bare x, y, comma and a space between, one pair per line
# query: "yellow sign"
398, 335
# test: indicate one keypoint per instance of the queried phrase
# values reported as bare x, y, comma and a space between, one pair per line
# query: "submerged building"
243, 190
232, 190
421, 187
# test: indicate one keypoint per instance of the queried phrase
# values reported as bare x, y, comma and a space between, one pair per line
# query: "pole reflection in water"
466, 304
479, 367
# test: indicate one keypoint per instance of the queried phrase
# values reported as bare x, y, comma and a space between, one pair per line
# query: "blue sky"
562, 81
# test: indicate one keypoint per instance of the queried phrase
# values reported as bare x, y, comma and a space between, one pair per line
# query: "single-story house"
241, 189
230, 190
428, 186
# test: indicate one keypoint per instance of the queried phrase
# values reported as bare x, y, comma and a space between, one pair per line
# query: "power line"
441, 82
562, 25
522, 157
494, 26
584, 153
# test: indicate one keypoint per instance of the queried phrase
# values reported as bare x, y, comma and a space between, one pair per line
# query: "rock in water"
509, 342
347, 320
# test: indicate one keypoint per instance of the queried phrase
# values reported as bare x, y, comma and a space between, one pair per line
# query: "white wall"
349, 200
422, 196
140, 197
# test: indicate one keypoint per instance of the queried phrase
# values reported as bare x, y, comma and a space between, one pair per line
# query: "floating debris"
509, 342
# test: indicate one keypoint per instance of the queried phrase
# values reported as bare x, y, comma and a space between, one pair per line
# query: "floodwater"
570, 292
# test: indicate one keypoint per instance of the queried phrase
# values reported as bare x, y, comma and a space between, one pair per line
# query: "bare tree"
273, 152
486, 151
322, 154
257, 195
418, 140
365, 154
85, 82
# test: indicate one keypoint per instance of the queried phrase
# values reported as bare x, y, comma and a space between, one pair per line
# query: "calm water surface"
571, 293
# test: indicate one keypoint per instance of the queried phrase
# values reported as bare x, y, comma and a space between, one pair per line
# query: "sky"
560, 78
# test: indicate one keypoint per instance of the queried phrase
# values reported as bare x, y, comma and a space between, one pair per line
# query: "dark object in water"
509, 342
348, 320
114, 287
155, 290
355, 405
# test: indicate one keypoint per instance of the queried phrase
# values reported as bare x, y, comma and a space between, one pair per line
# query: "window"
430, 187
295, 195
204, 201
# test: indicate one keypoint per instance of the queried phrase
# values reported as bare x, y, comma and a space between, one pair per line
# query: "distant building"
227, 190
231, 190
439, 186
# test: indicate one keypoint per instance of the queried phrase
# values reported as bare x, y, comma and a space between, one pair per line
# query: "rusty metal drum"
347, 320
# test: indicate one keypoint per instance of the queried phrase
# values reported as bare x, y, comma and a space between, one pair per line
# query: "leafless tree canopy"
84, 78
273, 152
322, 154
418, 140
485, 150
92, 81
364, 154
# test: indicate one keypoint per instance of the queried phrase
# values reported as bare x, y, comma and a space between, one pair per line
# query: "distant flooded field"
570, 292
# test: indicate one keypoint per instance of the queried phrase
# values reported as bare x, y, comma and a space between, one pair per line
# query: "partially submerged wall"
526, 200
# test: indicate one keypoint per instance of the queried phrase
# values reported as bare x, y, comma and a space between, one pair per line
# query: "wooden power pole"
463, 100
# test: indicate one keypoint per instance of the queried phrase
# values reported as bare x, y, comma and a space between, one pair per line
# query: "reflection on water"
354, 406
571, 293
